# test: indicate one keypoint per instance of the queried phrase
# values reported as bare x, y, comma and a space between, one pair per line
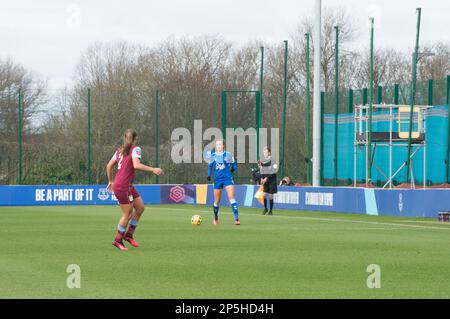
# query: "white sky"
48, 36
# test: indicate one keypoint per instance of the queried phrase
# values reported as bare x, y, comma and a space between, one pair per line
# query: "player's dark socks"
119, 236
216, 211
265, 203
270, 212
271, 204
120, 233
131, 228
130, 231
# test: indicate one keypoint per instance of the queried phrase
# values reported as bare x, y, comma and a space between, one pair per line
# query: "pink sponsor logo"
177, 194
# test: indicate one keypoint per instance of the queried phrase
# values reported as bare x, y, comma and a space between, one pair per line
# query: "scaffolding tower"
396, 136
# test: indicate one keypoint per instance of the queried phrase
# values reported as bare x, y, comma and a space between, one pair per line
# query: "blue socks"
234, 206
216, 210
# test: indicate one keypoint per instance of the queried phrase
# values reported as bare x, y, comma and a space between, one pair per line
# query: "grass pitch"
289, 255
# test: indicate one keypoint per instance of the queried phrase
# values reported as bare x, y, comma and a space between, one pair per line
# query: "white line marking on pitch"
324, 219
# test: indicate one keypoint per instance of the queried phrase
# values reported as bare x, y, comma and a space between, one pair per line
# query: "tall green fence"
68, 136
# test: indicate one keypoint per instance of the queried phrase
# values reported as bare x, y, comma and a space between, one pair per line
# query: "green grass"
289, 255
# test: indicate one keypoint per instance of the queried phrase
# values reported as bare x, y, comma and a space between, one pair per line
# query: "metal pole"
224, 113
379, 94
430, 92
261, 78
258, 123
156, 133
354, 146
322, 128
448, 130
308, 114
413, 91
391, 117
369, 124
396, 91
425, 154
336, 105
283, 127
19, 136
317, 95
350, 101
89, 135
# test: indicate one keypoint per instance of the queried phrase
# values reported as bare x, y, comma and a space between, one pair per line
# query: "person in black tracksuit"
269, 179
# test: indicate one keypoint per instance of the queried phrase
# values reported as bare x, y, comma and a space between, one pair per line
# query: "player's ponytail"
128, 139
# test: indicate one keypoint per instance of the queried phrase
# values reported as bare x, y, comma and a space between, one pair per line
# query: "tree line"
189, 74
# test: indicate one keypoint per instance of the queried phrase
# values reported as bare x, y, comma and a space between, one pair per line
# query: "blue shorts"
220, 184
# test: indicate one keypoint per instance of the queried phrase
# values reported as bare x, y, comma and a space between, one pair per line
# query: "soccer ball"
196, 220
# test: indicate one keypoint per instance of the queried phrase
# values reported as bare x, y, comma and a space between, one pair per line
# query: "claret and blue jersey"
221, 164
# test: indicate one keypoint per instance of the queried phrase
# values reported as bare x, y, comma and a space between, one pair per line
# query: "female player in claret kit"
224, 165
128, 159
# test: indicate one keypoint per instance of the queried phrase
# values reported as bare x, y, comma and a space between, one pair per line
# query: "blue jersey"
221, 164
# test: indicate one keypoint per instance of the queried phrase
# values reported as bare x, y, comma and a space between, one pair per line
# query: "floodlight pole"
413, 92
308, 114
316, 108
369, 124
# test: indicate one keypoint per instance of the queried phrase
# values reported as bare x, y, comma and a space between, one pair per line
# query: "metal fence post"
448, 130
430, 92
19, 136
283, 124
413, 92
380, 94
350, 101
261, 78
156, 133
396, 93
89, 136
336, 106
322, 127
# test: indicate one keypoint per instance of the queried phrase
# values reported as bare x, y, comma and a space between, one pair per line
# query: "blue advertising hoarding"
69, 195
396, 202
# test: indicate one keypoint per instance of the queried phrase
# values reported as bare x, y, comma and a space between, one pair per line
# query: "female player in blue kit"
224, 165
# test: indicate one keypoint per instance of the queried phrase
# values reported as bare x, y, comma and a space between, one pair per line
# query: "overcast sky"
48, 36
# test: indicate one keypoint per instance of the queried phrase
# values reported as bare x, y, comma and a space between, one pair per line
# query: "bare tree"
435, 62
14, 77
347, 32
390, 67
